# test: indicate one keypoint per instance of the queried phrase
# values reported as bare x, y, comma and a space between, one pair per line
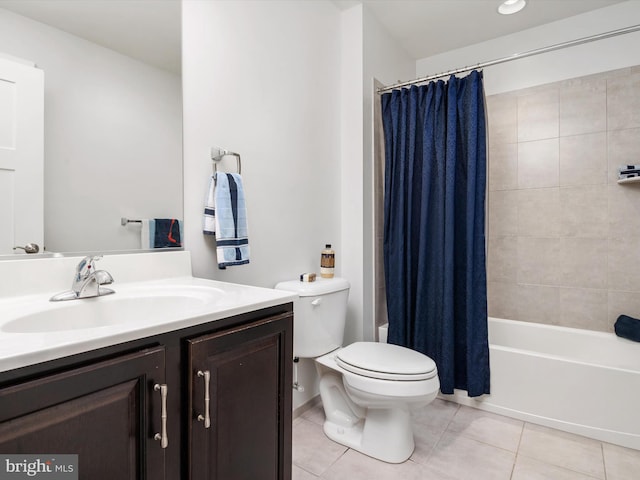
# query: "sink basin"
135, 305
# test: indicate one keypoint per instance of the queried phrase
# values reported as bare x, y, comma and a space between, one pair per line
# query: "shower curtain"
434, 220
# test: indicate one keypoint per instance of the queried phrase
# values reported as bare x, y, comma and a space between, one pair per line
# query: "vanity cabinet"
238, 383
107, 405
107, 413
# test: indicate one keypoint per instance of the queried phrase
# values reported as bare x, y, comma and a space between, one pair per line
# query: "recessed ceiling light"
511, 6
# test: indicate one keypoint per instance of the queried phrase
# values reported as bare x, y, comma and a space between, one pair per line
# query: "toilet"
367, 388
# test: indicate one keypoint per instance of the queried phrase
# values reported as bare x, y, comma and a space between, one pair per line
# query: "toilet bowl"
368, 399
367, 389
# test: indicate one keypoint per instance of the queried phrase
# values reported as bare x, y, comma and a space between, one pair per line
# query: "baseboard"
308, 405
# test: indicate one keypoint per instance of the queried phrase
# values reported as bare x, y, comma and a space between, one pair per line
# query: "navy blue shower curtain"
434, 223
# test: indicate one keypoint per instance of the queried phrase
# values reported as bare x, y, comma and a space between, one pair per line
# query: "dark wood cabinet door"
107, 413
249, 388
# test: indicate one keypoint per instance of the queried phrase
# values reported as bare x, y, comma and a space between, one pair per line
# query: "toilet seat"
385, 361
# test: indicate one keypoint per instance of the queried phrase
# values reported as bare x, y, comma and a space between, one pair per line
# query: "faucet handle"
86, 265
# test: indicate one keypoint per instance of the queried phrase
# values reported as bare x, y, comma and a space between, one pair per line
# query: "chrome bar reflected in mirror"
29, 248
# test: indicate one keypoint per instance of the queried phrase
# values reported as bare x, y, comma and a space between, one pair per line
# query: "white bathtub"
575, 380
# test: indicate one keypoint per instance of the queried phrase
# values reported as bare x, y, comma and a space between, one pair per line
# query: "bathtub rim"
631, 348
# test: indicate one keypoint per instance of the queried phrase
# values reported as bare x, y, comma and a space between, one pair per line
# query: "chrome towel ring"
218, 153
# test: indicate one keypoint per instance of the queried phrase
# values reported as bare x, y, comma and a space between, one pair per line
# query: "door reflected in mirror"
112, 121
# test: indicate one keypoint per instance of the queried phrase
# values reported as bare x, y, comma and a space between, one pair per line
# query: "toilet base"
371, 423
384, 434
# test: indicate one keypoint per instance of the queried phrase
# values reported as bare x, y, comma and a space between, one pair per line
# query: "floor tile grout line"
524, 425
463, 434
334, 462
446, 428
515, 460
304, 469
562, 467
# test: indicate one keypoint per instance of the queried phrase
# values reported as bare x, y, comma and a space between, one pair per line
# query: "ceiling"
149, 30
429, 27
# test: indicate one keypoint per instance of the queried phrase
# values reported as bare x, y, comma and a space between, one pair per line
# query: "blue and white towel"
229, 215
161, 233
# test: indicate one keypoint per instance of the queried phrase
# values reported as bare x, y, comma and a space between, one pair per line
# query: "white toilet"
367, 388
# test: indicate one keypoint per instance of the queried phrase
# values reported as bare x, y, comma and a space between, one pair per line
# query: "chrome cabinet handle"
206, 418
162, 437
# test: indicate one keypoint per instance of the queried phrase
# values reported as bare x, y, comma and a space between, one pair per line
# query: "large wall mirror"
112, 116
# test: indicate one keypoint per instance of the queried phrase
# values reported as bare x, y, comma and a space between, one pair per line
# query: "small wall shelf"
624, 181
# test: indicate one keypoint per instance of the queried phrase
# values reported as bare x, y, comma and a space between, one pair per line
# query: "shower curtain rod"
515, 56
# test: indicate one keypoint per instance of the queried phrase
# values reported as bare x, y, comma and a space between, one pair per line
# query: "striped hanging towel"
232, 242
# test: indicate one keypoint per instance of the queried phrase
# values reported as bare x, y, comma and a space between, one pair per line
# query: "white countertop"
19, 349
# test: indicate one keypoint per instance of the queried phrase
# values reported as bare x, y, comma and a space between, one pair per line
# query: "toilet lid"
385, 361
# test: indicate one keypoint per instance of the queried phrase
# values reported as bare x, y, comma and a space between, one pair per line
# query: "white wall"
112, 137
387, 62
594, 57
351, 115
367, 52
288, 85
263, 79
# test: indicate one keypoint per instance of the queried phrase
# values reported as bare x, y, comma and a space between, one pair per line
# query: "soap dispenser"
327, 261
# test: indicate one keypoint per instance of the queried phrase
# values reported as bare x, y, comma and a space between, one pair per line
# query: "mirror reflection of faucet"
87, 281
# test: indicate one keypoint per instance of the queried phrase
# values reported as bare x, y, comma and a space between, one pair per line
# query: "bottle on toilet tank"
327, 261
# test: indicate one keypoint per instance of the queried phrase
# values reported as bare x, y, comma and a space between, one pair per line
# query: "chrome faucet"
87, 281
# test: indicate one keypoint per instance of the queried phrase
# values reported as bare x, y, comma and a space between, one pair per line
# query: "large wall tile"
584, 262
502, 111
503, 166
583, 159
623, 102
503, 213
624, 264
538, 116
624, 210
539, 212
539, 260
539, 304
503, 300
538, 164
381, 308
584, 211
503, 252
583, 106
584, 308
554, 199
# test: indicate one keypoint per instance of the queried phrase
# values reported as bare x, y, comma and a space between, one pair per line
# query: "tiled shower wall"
563, 236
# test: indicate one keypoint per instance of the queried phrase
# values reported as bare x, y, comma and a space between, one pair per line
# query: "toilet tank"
319, 315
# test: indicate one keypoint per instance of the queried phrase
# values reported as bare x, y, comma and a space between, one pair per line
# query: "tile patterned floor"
455, 442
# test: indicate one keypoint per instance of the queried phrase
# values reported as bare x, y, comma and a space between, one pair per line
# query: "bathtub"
579, 381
